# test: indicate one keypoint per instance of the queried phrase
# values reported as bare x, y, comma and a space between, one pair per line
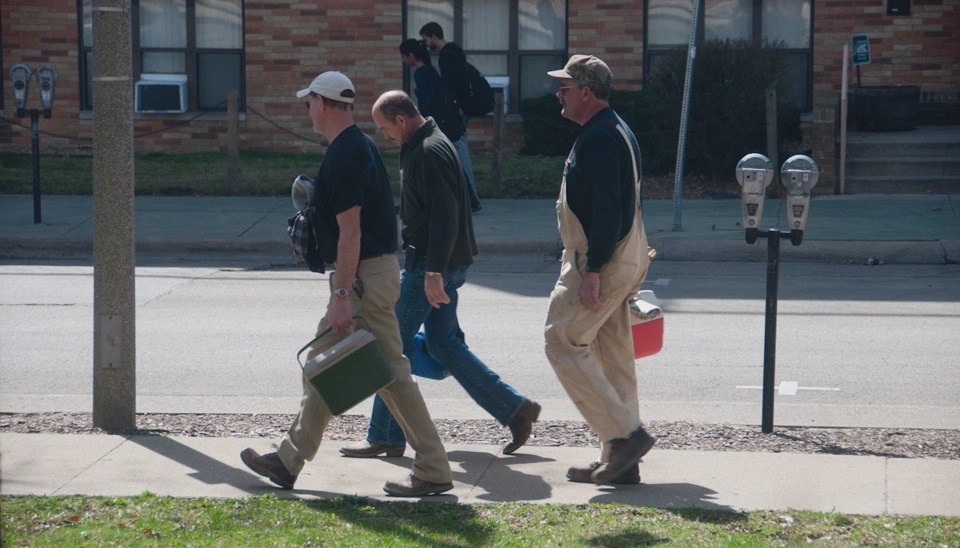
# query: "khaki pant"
591, 349
381, 289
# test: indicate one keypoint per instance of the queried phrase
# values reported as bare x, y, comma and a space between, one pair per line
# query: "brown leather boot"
624, 453
268, 465
413, 486
367, 449
582, 475
521, 425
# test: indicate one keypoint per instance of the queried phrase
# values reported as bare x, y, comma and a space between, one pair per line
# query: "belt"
377, 256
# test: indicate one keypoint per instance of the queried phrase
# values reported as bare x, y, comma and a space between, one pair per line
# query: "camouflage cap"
586, 68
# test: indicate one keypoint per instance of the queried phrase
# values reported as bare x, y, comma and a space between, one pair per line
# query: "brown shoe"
521, 425
367, 449
624, 453
582, 475
268, 465
413, 486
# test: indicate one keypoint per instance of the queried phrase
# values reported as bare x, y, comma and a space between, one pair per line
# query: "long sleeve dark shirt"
434, 207
600, 184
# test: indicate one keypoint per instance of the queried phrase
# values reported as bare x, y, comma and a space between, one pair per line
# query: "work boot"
268, 465
367, 449
413, 486
624, 453
582, 475
521, 425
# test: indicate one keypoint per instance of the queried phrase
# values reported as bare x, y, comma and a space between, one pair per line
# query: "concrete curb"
668, 249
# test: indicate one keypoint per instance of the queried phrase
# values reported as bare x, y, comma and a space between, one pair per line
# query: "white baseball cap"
332, 85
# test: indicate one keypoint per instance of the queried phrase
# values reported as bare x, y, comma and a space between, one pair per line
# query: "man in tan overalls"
605, 259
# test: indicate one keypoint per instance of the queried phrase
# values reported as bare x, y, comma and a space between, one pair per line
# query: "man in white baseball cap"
332, 85
354, 195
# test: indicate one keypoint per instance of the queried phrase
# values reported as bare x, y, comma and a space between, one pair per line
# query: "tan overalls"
591, 349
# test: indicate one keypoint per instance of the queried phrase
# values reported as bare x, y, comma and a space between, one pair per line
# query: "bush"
727, 110
727, 117
548, 133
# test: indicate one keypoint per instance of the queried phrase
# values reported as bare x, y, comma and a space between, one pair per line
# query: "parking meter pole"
770, 328
35, 141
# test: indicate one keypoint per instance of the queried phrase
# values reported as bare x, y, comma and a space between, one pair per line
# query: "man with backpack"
469, 88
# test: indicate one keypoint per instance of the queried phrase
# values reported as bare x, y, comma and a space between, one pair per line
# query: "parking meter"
799, 175
47, 77
754, 173
20, 76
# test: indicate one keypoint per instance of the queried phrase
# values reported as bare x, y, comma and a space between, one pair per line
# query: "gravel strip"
885, 442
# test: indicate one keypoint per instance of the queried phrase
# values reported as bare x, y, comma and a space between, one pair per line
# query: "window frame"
513, 52
191, 57
649, 54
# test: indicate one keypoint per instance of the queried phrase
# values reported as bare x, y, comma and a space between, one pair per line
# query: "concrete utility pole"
114, 253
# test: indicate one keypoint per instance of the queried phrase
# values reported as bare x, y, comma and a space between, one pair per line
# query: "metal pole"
843, 123
772, 145
684, 115
35, 141
770, 329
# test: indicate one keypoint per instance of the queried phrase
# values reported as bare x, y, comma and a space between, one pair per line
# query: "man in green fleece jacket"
437, 230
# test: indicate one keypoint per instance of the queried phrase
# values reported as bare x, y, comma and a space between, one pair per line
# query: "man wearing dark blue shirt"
605, 259
355, 202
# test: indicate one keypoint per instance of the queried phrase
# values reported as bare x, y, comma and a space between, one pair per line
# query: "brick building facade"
285, 44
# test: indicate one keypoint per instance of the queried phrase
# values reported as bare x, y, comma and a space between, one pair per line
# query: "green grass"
261, 174
149, 520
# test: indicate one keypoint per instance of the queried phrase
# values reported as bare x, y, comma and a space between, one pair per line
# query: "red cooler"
646, 319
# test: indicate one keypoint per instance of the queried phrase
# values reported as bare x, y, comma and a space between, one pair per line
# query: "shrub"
727, 117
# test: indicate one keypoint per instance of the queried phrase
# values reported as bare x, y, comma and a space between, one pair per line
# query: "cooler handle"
324, 334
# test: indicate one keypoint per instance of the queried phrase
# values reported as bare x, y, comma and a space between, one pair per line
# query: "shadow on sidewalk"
207, 469
662, 495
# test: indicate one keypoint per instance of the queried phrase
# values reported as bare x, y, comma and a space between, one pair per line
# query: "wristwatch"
341, 292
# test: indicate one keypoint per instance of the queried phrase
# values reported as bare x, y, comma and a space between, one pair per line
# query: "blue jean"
464, 154
440, 326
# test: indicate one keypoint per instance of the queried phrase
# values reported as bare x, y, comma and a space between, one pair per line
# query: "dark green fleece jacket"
434, 208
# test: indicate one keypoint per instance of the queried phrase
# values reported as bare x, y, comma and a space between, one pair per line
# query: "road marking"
790, 388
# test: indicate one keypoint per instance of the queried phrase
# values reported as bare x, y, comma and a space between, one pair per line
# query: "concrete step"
904, 149
891, 184
903, 167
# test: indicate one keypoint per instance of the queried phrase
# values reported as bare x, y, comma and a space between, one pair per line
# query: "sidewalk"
108, 465
898, 229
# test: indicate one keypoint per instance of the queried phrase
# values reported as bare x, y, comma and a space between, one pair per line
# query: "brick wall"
922, 49
612, 32
287, 44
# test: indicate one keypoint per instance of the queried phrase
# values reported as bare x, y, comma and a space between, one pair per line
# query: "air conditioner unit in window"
161, 93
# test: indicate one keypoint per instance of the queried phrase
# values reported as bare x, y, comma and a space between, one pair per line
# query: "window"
199, 40
668, 28
516, 41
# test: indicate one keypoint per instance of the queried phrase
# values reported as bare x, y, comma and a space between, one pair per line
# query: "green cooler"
348, 372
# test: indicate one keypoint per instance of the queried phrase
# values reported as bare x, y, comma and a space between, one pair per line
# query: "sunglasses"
561, 89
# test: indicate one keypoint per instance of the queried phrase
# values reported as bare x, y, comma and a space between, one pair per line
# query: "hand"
590, 290
433, 287
340, 316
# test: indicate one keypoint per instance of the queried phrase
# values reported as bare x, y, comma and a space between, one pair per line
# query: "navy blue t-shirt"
352, 174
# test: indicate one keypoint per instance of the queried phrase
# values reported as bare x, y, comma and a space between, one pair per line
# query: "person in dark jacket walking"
451, 64
437, 231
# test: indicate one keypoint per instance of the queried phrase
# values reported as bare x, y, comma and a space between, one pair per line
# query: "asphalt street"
856, 345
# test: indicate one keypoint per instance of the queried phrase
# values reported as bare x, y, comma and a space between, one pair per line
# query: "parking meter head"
754, 173
47, 77
799, 175
20, 77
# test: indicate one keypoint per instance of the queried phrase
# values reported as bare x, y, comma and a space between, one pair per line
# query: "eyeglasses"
561, 89
308, 104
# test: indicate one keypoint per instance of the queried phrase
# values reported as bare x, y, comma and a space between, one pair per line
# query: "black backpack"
444, 108
478, 96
